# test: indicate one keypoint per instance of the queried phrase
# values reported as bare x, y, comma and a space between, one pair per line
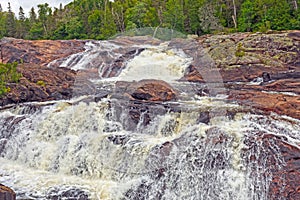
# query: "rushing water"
87, 149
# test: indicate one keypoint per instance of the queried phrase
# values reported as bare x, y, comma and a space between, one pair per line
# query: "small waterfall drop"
156, 63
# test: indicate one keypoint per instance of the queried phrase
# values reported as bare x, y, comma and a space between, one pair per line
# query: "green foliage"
41, 83
102, 19
8, 74
3, 29
240, 51
263, 15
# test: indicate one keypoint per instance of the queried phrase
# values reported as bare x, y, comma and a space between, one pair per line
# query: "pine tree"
10, 23
22, 24
2, 24
32, 16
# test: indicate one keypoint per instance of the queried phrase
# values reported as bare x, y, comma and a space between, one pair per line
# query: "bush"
240, 51
8, 74
41, 83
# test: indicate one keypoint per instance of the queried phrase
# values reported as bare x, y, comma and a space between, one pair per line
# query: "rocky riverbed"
260, 72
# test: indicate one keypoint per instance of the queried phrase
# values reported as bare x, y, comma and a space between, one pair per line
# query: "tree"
248, 15
10, 22
45, 13
2, 24
135, 16
108, 26
118, 13
173, 15
278, 14
94, 21
22, 24
74, 28
207, 17
32, 16
261, 15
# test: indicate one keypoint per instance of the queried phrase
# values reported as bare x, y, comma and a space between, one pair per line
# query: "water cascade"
94, 149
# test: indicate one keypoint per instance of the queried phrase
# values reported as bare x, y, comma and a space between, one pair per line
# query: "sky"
28, 4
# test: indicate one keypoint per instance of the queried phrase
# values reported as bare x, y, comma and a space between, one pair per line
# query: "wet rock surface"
67, 193
151, 90
145, 90
6, 193
40, 84
39, 52
282, 171
261, 72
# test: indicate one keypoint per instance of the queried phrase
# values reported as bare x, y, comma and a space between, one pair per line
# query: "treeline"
101, 19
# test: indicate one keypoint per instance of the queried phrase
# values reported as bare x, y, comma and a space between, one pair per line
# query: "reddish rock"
283, 85
269, 102
192, 75
152, 90
283, 173
6, 193
245, 73
40, 84
118, 65
39, 52
294, 35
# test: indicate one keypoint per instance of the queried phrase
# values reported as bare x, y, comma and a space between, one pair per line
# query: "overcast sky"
28, 4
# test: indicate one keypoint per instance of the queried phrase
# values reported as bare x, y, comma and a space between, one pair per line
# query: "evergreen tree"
22, 24
32, 15
2, 24
247, 16
10, 22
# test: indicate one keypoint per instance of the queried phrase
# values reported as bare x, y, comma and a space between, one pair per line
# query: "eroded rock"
6, 193
268, 102
39, 52
153, 90
40, 84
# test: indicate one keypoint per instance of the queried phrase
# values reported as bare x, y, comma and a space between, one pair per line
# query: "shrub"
41, 83
8, 74
240, 51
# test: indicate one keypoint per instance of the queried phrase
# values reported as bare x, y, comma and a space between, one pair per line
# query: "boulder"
152, 90
6, 193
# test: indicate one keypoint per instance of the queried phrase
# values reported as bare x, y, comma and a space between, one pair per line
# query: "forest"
102, 19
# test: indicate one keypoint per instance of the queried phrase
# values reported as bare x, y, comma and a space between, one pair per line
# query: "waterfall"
113, 149
87, 148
